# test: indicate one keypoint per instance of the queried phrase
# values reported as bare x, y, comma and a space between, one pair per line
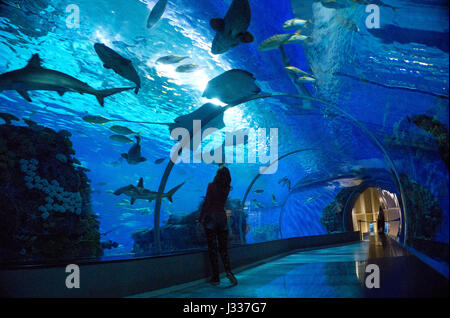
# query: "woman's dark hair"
222, 181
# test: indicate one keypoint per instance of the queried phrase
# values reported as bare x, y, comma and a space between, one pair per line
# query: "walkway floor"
334, 272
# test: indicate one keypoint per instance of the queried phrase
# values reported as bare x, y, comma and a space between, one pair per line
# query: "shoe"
232, 279
214, 281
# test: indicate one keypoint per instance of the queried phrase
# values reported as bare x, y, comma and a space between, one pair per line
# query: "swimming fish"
297, 38
211, 116
171, 59
258, 191
296, 70
121, 130
122, 44
156, 13
275, 41
121, 138
113, 164
187, 68
305, 79
232, 29
126, 215
257, 204
8, 118
96, 119
139, 192
232, 86
285, 181
145, 211
120, 65
34, 77
294, 24
161, 160
110, 231
109, 191
274, 199
134, 156
312, 198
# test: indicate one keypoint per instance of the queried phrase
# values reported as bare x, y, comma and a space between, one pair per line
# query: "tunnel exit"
368, 207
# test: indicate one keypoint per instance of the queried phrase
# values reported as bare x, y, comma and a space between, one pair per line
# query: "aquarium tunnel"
329, 115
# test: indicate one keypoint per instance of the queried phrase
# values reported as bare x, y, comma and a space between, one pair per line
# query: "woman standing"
214, 220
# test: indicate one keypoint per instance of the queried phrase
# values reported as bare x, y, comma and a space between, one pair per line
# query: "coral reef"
424, 212
46, 212
332, 214
438, 130
182, 232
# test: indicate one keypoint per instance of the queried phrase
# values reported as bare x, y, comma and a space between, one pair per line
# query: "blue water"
403, 76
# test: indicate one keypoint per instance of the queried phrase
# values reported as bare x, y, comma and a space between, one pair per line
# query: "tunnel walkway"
333, 272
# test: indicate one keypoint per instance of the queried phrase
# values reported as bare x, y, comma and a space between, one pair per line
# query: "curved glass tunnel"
364, 124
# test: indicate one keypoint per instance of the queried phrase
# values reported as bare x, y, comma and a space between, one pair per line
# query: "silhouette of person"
380, 220
214, 220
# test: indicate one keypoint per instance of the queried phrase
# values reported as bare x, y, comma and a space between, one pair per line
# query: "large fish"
121, 130
96, 119
122, 66
232, 86
232, 29
297, 38
187, 68
121, 138
139, 192
171, 59
34, 77
275, 41
156, 13
294, 24
134, 156
210, 115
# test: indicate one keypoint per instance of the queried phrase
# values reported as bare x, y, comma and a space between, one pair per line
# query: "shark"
119, 64
35, 77
232, 29
139, 192
134, 156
